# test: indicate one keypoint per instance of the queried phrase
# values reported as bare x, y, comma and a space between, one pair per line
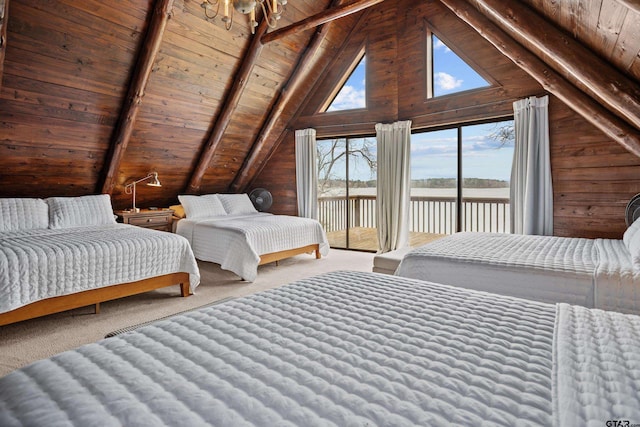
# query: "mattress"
543, 268
39, 264
236, 242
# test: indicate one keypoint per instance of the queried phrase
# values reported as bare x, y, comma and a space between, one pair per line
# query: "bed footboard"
94, 296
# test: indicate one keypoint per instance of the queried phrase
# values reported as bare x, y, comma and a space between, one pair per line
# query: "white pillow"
206, 206
67, 212
23, 214
630, 233
237, 204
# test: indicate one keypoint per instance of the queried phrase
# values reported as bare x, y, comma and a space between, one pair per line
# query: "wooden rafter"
631, 4
228, 108
320, 18
611, 125
258, 154
567, 56
133, 100
4, 23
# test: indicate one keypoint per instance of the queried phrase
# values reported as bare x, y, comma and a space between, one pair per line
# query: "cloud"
439, 45
446, 81
349, 98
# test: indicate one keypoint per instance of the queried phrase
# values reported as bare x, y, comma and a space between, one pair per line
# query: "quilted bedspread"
38, 264
596, 376
544, 268
345, 349
237, 241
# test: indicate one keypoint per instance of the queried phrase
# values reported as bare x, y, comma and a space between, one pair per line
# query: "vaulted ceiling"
95, 94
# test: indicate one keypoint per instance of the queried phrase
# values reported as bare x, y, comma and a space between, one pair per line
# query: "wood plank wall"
593, 176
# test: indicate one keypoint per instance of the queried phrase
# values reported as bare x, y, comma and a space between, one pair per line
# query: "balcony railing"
435, 215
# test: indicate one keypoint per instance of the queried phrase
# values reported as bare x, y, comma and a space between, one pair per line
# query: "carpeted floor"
25, 342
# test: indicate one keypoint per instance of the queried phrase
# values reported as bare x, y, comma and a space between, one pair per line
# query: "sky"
434, 153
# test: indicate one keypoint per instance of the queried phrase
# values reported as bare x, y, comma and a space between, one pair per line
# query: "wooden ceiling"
69, 70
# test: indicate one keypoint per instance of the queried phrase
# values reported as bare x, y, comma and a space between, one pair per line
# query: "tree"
330, 152
504, 133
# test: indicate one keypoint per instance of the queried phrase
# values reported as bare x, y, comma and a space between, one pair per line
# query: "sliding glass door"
347, 192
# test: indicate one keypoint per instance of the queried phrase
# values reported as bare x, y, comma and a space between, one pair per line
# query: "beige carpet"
25, 342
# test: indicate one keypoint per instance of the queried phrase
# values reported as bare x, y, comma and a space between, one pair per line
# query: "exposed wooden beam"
567, 56
611, 125
631, 4
228, 108
4, 23
133, 100
258, 154
319, 19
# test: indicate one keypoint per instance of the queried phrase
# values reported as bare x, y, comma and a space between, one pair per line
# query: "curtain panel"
531, 189
393, 187
306, 173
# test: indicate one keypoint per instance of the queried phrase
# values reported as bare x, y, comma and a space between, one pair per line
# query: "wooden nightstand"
159, 219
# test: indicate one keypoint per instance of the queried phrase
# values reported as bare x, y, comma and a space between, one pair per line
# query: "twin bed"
346, 348
600, 273
227, 229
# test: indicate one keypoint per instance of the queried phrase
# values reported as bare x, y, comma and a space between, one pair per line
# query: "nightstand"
159, 219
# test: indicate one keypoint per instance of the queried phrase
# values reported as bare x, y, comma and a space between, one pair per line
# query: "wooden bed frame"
277, 256
95, 297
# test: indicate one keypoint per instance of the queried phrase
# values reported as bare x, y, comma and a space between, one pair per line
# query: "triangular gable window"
353, 92
450, 73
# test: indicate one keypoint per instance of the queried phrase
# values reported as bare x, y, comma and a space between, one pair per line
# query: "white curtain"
306, 173
531, 190
394, 180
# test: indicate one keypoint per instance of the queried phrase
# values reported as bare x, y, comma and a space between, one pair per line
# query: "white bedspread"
548, 269
596, 376
38, 264
589, 272
237, 241
341, 349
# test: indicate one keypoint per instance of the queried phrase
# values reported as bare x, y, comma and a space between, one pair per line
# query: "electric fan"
633, 210
261, 199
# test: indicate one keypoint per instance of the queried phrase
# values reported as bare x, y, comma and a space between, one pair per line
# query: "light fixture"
271, 10
131, 188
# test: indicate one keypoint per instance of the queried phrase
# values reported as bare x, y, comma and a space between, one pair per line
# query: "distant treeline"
428, 183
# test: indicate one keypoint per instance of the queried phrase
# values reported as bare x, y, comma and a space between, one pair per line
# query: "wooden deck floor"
363, 238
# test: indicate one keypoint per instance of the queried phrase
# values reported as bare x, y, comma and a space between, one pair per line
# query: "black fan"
261, 199
633, 210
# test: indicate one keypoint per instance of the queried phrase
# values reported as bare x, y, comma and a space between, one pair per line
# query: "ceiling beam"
567, 56
131, 107
631, 4
228, 108
611, 125
4, 23
259, 153
323, 17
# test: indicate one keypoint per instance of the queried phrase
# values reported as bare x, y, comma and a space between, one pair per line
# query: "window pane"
363, 232
353, 94
332, 190
487, 155
434, 170
450, 73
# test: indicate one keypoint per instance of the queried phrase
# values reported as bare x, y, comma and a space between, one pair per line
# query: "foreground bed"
345, 349
56, 266
590, 272
226, 229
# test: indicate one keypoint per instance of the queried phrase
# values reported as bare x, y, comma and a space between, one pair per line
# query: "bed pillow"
68, 212
631, 231
206, 206
237, 204
23, 214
